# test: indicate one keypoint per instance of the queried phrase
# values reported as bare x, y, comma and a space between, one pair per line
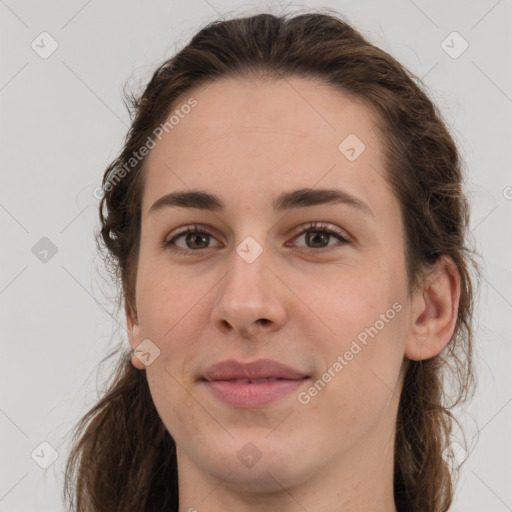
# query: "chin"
256, 465
262, 479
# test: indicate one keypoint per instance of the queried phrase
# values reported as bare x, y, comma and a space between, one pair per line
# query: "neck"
362, 482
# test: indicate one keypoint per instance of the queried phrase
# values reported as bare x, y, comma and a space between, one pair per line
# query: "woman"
288, 226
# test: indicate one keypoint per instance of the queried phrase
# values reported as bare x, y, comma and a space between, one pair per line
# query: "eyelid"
323, 226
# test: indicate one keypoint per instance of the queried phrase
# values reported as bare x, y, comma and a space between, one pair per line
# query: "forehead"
248, 140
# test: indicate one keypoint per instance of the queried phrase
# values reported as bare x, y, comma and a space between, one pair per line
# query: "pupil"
195, 236
315, 235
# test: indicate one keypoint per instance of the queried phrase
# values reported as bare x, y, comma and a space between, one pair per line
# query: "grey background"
62, 122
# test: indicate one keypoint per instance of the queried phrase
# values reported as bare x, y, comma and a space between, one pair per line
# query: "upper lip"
260, 369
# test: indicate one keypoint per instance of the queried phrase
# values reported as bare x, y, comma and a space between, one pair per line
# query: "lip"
253, 384
260, 369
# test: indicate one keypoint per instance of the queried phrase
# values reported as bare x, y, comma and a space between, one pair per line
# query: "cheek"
172, 317
169, 303
174, 402
360, 384
362, 349
344, 303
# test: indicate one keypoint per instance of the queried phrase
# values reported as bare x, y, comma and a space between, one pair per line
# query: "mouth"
252, 381
249, 385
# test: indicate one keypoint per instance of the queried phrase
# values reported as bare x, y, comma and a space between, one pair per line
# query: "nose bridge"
248, 295
248, 266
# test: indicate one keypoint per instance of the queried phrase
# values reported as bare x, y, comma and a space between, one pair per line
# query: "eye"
318, 234
197, 238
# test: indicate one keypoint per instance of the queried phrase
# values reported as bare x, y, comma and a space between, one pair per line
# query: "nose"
251, 300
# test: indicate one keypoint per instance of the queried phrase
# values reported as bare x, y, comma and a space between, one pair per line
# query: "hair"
123, 458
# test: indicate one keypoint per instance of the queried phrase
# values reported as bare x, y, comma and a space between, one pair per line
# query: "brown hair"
123, 458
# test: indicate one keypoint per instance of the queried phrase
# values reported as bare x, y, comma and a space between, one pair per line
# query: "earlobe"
134, 335
434, 312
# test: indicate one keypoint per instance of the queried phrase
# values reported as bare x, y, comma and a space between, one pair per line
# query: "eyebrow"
300, 198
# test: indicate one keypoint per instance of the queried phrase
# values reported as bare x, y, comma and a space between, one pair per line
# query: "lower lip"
252, 394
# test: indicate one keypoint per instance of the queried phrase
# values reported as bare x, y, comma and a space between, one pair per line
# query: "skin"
247, 142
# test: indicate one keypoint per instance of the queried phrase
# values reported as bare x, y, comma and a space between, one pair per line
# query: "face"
311, 280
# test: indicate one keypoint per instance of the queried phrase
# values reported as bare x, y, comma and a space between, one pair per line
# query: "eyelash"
201, 229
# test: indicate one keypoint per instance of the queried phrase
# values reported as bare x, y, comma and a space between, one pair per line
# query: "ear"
134, 335
434, 311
